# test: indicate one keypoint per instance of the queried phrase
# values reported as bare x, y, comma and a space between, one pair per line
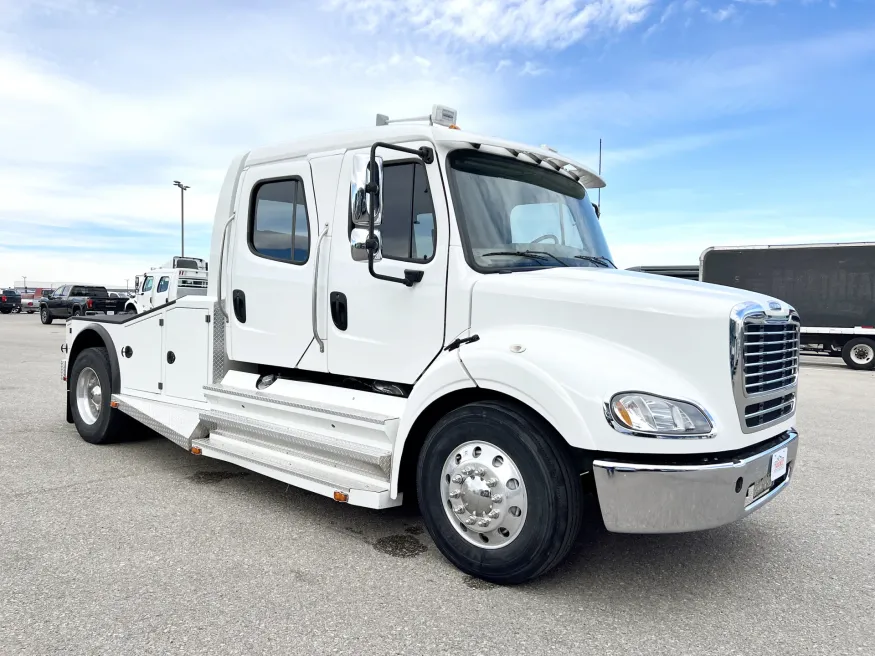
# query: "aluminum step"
306, 473
335, 449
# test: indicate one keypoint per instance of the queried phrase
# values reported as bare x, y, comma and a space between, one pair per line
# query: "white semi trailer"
413, 309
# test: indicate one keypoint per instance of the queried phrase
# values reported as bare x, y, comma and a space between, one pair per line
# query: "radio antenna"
600, 174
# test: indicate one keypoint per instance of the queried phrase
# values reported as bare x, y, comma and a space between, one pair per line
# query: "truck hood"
598, 332
627, 294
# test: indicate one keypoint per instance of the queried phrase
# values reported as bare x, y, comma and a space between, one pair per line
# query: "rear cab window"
92, 292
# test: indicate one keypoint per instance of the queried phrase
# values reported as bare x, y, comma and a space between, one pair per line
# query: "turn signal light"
342, 497
196, 450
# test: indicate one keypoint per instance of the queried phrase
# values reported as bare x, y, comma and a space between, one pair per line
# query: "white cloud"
532, 69
539, 23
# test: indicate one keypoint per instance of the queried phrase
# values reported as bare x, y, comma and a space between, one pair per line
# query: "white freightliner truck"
414, 309
168, 283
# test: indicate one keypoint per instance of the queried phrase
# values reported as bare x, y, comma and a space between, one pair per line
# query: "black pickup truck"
10, 301
75, 300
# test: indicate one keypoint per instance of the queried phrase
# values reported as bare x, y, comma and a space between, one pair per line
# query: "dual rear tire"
498, 494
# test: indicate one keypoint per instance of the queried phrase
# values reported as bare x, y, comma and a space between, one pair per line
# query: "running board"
301, 472
334, 451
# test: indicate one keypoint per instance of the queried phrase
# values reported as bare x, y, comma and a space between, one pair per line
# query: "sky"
724, 122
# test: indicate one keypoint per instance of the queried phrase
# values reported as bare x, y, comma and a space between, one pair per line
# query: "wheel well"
432, 414
85, 339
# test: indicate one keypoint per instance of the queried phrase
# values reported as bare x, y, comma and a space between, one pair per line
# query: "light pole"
182, 189
126, 285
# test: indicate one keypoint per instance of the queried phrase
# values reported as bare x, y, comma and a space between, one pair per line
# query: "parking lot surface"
143, 548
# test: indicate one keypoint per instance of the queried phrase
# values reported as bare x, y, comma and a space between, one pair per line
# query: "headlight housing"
656, 416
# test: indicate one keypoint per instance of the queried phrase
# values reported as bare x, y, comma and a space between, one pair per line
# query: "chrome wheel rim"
484, 495
862, 354
88, 395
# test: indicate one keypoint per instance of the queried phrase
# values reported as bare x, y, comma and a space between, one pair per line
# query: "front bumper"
654, 498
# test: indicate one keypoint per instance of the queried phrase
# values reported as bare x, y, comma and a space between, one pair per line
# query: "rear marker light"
342, 497
196, 450
113, 404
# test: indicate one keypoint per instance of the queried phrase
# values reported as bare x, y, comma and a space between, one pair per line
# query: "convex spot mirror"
362, 204
358, 245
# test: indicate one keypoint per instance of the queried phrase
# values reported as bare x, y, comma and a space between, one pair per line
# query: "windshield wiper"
597, 259
534, 255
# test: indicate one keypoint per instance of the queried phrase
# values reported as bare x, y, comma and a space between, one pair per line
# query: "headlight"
658, 416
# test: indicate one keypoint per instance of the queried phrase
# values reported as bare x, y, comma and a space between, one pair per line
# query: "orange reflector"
196, 450
343, 497
454, 127
113, 404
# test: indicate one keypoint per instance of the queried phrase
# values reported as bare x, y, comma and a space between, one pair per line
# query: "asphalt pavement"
142, 548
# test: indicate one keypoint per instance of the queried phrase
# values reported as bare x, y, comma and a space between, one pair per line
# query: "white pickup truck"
389, 313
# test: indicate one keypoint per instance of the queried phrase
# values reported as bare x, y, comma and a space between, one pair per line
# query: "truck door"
385, 330
271, 268
146, 295
161, 291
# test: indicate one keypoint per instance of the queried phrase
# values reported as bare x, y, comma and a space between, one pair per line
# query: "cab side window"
408, 226
147, 285
163, 284
278, 223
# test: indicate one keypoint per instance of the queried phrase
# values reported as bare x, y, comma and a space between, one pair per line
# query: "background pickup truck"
10, 301
75, 300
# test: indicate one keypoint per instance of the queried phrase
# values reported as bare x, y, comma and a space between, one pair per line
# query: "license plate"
779, 464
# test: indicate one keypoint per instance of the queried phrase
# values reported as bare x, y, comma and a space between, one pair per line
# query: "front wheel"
859, 353
90, 396
498, 493
45, 316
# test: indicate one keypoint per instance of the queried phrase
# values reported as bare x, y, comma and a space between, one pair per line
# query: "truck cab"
417, 310
164, 285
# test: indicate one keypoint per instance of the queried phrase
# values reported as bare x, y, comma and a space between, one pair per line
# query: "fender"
445, 375
568, 376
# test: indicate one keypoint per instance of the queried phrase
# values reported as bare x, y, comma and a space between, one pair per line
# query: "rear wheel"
44, 315
90, 395
76, 312
859, 353
5, 311
497, 492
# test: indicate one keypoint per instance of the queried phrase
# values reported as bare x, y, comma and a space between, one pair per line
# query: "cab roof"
339, 142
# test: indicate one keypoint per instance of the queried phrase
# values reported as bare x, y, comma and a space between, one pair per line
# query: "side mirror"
358, 239
362, 204
137, 283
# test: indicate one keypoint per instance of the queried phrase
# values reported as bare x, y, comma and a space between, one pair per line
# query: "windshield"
516, 215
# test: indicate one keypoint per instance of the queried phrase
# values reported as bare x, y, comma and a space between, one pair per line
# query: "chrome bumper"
678, 498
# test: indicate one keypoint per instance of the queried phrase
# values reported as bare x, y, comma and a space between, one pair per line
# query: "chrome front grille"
764, 363
771, 356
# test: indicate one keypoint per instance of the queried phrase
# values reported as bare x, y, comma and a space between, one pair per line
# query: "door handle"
239, 302
337, 300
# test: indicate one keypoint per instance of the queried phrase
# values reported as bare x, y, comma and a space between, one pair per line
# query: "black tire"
111, 424
76, 312
553, 488
45, 316
855, 346
6, 311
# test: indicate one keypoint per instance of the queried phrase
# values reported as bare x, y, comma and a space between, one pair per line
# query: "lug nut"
479, 471
496, 498
455, 494
493, 514
491, 482
483, 523
470, 521
459, 510
467, 471
457, 479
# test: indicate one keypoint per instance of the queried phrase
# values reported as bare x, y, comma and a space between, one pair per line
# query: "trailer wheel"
90, 395
859, 353
44, 316
497, 493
